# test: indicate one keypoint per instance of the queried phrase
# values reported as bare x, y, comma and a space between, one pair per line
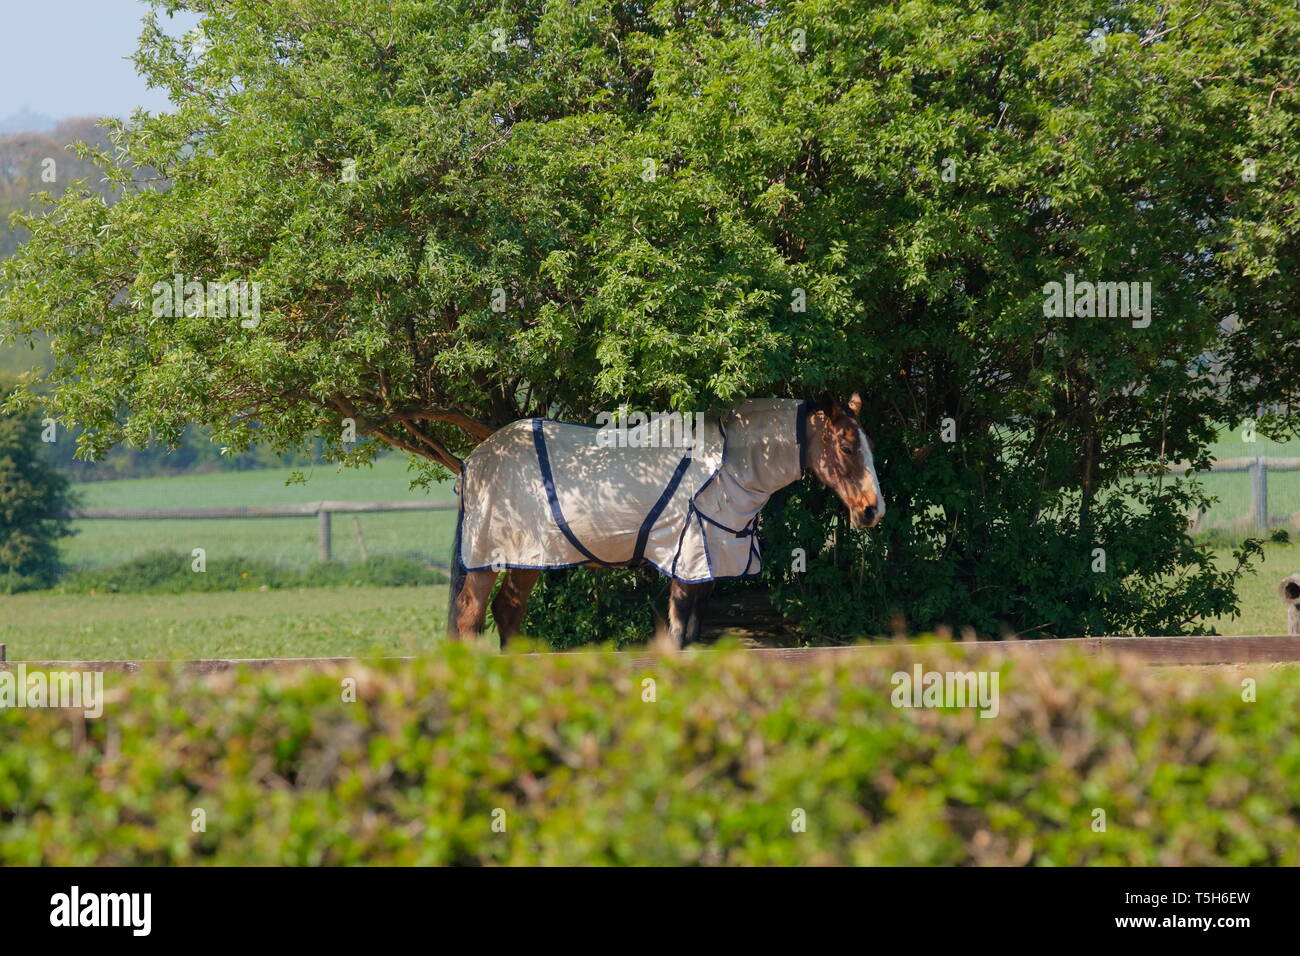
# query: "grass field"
291, 541
344, 622
314, 622
1262, 612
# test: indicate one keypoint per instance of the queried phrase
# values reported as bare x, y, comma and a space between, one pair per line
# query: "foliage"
1148, 579
596, 606
45, 164
194, 454
564, 751
647, 193
167, 572
32, 495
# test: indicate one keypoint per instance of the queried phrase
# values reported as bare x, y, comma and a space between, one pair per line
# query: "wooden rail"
261, 511
1243, 464
1259, 468
1219, 649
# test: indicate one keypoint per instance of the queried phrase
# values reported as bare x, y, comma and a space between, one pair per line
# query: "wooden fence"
322, 510
1259, 468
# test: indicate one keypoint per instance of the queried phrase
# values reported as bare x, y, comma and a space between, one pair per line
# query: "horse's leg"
511, 600
471, 603
697, 610
683, 599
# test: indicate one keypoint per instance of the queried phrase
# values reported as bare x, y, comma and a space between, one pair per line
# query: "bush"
32, 494
168, 572
712, 772
596, 606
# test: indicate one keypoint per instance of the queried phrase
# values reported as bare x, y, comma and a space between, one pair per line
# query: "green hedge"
712, 771
170, 572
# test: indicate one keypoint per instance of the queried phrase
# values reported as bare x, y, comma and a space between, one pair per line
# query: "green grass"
1235, 504
290, 541
1262, 612
1234, 510
313, 622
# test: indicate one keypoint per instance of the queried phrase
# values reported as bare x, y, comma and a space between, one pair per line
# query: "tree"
32, 496
459, 214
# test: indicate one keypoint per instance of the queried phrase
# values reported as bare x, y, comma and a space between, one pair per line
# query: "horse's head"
839, 453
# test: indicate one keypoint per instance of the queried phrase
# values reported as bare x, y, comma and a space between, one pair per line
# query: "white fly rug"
546, 494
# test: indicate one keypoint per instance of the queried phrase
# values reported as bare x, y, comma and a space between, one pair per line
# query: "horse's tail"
457, 582
456, 568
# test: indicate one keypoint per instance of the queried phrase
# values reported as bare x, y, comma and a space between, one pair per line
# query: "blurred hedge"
711, 772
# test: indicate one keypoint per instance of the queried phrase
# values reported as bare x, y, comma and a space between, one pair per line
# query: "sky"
66, 58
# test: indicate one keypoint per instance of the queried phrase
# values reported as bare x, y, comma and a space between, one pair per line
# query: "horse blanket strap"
546, 494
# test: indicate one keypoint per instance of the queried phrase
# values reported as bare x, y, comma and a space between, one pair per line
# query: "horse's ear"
855, 404
827, 404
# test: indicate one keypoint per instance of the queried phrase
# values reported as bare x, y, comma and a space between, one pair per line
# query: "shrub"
712, 772
596, 606
32, 494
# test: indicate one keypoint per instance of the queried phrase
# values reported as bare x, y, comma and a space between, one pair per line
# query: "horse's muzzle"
866, 517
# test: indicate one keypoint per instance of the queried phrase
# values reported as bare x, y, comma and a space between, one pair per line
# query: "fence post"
2, 653
323, 534
361, 538
1259, 492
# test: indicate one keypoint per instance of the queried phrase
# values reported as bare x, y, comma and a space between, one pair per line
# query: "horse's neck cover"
547, 494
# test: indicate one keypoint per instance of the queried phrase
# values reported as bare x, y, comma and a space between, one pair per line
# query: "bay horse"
540, 494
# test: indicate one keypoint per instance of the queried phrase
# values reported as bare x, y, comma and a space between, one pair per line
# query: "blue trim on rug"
643, 534
704, 543
744, 532
552, 499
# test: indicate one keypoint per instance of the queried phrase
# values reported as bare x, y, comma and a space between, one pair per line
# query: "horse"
540, 494
1289, 591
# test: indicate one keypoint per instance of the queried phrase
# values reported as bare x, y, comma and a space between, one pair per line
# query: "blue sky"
64, 58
